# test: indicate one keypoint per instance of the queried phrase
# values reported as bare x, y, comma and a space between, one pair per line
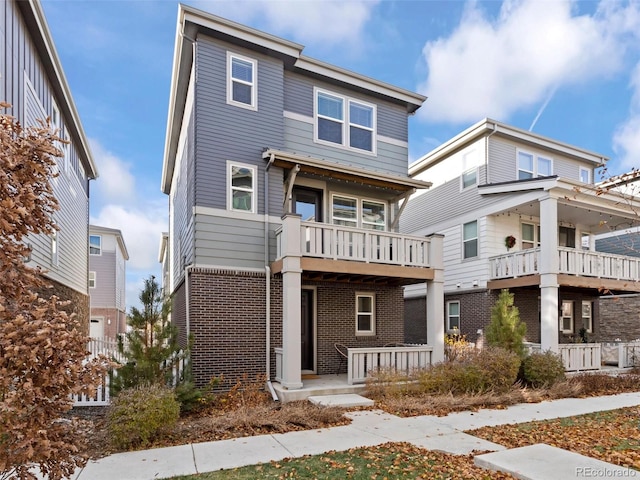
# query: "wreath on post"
510, 241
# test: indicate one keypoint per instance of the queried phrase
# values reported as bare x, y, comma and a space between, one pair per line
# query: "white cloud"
626, 139
308, 21
115, 182
492, 68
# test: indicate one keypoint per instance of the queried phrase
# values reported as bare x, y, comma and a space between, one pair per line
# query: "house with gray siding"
107, 282
33, 82
526, 217
286, 179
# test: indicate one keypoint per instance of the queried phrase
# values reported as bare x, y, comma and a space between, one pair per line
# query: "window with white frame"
365, 314
470, 171
531, 166
530, 235
55, 116
470, 239
344, 121
566, 316
95, 245
241, 183
585, 175
453, 315
587, 316
241, 81
92, 279
55, 247
358, 213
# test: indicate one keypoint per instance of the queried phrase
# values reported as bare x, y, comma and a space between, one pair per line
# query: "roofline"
164, 240
111, 231
490, 126
183, 58
42, 37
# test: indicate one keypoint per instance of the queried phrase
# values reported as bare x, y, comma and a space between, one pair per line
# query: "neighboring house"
286, 178
32, 81
107, 282
520, 211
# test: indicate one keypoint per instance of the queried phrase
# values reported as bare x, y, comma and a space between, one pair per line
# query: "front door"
307, 202
306, 330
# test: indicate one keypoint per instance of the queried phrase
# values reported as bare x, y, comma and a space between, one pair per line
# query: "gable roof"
192, 21
488, 127
37, 25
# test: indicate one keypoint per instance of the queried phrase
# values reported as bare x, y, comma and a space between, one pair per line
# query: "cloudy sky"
567, 70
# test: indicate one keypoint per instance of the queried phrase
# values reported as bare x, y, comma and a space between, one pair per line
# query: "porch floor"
318, 385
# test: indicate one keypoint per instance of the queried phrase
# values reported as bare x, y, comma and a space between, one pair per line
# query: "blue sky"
570, 70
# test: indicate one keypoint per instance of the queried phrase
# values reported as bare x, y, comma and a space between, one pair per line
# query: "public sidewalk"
370, 428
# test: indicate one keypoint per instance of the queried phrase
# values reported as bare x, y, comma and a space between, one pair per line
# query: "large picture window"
241, 81
470, 239
365, 314
344, 121
241, 187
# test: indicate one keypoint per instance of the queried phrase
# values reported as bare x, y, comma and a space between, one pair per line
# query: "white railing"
597, 264
580, 356
516, 264
629, 354
361, 361
337, 242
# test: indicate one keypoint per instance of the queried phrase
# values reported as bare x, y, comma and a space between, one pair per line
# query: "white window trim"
465, 161
449, 327
359, 221
55, 249
254, 190
66, 153
372, 332
535, 157
93, 274
55, 116
588, 172
254, 84
570, 330
95, 254
536, 235
590, 329
346, 123
476, 238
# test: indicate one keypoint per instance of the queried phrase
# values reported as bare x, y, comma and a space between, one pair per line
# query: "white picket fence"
402, 359
109, 348
577, 357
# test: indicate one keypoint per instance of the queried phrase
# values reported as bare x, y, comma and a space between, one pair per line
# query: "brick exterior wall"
115, 321
78, 302
619, 318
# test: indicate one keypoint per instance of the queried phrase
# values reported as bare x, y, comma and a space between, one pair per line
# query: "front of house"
286, 179
526, 217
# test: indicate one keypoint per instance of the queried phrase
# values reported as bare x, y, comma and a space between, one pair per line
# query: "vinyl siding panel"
457, 270
121, 281
103, 296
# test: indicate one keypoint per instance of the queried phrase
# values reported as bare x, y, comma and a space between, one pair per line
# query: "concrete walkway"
370, 428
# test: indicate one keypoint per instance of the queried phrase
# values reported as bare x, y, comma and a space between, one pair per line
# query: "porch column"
435, 300
548, 265
291, 288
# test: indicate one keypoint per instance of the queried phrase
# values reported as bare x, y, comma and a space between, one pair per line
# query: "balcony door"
307, 202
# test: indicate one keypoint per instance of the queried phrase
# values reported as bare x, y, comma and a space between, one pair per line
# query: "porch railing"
338, 242
361, 361
580, 356
516, 264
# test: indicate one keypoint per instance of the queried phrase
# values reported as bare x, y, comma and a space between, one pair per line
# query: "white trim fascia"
220, 212
227, 268
297, 116
393, 141
519, 186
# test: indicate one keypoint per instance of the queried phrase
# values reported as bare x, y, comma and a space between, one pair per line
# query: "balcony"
571, 261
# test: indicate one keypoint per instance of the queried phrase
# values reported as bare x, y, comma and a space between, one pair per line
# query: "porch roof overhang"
344, 271
326, 168
603, 286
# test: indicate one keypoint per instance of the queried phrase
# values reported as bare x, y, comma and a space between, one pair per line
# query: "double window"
241, 187
470, 240
365, 314
453, 315
242, 81
531, 166
95, 245
358, 213
344, 121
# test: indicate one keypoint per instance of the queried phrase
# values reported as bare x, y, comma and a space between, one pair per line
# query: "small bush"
542, 369
139, 414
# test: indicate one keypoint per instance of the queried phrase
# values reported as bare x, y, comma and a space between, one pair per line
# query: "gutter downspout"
187, 271
486, 152
267, 275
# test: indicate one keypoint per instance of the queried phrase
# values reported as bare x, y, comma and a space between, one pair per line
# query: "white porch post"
435, 300
549, 274
291, 287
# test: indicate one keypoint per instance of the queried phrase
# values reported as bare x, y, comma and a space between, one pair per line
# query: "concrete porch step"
341, 400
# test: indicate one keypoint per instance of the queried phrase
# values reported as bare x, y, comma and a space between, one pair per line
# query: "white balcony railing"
571, 261
338, 242
404, 360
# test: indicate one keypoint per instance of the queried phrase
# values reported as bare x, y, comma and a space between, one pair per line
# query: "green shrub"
490, 369
137, 415
542, 369
506, 330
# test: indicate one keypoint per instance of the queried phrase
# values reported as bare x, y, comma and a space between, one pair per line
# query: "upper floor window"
55, 116
567, 237
95, 245
585, 175
470, 239
353, 212
531, 166
55, 254
344, 121
241, 187
365, 314
241, 81
530, 235
469, 171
